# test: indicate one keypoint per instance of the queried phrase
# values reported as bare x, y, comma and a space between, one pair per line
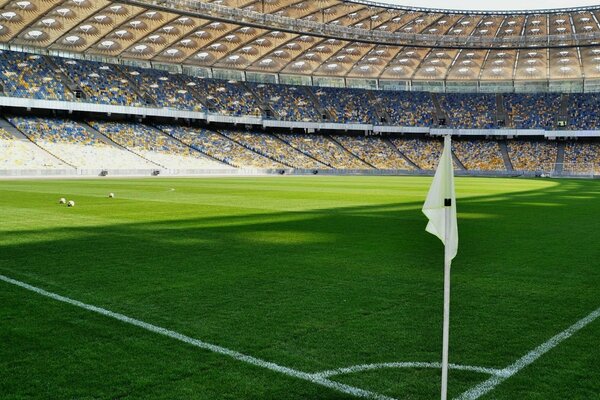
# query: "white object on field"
71, 203
111, 195
62, 200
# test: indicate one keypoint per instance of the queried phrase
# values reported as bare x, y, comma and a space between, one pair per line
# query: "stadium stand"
272, 147
77, 146
101, 83
583, 111
220, 147
423, 152
375, 151
532, 111
54, 78
479, 155
347, 105
323, 149
289, 103
155, 146
582, 157
21, 154
227, 97
30, 75
539, 156
129, 145
166, 89
469, 111
407, 108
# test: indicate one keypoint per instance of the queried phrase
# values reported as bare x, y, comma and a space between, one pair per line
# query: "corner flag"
441, 193
440, 208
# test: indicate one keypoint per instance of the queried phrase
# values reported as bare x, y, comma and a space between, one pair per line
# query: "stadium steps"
64, 78
303, 152
338, 144
260, 153
16, 132
147, 99
560, 158
504, 151
105, 138
563, 114
263, 103
195, 149
380, 111
439, 112
401, 154
317, 104
457, 162
298, 150
501, 110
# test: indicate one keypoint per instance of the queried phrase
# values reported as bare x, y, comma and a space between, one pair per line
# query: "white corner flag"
440, 208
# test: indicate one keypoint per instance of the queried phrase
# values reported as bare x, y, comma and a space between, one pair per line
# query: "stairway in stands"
345, 150
440, 115
65, 79
560, 158
563, 113
106, 139
457, 162
401, 154
501, 116
13, 130
325, 114
504, 151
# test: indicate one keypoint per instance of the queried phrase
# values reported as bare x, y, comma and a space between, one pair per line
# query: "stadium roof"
357, 38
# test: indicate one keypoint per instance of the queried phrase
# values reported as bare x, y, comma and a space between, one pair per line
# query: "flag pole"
446, 329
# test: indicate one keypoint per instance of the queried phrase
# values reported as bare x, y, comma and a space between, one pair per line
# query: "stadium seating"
227, 97
469, 111
273, 147
289, 103
325, 150
532, 111
155, 146
375, 151
347, 105
101, 83
220, 147
582, 158
55, 78
425, 153
539, 156
583, 111
71, 142
166, 89
479, 155
21, 154
30, 75
406, 108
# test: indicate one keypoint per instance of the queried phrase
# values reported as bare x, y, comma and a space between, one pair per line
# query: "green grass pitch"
311, 273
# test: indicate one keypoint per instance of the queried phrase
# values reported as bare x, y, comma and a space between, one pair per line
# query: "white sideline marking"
369, 367
314, 378
487, 386
320, 378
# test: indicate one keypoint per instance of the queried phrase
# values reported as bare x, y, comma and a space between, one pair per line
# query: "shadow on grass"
342, 286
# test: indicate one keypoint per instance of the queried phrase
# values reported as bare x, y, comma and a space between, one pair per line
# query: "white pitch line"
489, 385
369, 367
340, 387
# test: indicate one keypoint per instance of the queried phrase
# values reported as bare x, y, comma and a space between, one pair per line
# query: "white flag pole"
446, 329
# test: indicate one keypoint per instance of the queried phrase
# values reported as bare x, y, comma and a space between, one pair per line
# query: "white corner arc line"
435, 365
340, 387
488, 385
